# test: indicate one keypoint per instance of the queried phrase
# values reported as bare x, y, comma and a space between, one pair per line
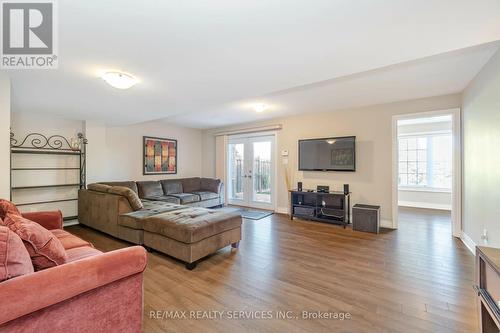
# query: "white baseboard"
282, 210
468, 242
427, 205
386, 224
70, 223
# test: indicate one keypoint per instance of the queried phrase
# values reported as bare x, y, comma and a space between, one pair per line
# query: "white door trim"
274, 185
456, 211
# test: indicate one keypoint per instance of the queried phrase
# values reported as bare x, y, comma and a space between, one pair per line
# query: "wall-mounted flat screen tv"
329, 154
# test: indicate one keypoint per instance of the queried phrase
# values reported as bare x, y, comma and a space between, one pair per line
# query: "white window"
425, 161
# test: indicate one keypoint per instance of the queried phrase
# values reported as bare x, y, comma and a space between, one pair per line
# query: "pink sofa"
91, 292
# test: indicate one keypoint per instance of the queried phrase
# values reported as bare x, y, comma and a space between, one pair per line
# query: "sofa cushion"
186, 198
7, 207
99, 187
82, 252
43, 246
14, 258
131, 196
206, 195
193, 224
191, 184
130, 222
68, 240
165, 198
171, 186
130, 184
149, 189
152, 208
210, 184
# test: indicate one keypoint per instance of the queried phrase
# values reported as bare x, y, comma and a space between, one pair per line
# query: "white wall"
124, 150
113, 153
425, 199
4, 136
481, 165
97, 168
372, 126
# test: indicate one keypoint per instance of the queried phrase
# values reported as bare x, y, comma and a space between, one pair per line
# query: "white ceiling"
200, 62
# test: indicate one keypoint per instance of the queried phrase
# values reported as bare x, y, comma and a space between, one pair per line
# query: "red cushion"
68, 240
14, 258
7, 207
78, 253
44, 248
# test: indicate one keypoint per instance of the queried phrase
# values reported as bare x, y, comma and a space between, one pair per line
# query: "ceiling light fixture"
260, 107
119, 80
331, 141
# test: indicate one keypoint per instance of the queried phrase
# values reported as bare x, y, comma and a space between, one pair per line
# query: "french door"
251, 171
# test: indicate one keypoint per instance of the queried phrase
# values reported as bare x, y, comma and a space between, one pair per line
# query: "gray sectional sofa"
170, 216
195, 191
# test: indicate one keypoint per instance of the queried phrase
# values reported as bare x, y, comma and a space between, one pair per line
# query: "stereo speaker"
346, 188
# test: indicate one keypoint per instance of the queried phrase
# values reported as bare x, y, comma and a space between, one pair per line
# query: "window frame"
423, 188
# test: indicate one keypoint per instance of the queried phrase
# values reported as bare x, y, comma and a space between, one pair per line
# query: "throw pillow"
7, 207
14, 258
98, 187
43, 247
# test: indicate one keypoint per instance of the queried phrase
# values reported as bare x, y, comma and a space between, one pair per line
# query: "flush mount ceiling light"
119, 80
260, 107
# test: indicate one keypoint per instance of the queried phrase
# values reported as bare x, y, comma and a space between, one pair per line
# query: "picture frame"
159, 156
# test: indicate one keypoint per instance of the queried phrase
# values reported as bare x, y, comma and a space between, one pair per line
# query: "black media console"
330, 207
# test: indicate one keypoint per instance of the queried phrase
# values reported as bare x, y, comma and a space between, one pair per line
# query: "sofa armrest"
29, 293
49, 220
211, 184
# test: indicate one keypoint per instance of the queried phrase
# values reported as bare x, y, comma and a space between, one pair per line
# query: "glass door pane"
262, 171
236, 171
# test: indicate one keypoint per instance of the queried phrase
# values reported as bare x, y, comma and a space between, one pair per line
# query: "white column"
97, 165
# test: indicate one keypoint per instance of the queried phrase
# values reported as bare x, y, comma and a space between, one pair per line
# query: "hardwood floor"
415, 279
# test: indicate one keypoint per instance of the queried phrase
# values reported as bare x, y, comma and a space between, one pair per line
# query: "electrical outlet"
484, 237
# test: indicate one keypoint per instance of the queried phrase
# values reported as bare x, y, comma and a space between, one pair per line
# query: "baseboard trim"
424, 205
282, 210
468, 242
70, 223
386, 224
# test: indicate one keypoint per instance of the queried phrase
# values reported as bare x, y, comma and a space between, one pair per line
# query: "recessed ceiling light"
119, 80
260, 107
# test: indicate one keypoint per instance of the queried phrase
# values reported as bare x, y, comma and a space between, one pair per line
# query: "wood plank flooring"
415, 279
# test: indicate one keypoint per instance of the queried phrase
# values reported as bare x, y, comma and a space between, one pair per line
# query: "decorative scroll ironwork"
36, 143
53, 142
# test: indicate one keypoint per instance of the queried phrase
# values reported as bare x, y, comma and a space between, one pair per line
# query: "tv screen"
329, 154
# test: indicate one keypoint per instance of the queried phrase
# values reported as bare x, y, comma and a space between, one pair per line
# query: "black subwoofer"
366, 218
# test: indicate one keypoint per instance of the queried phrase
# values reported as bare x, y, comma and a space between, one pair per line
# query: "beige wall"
124, 150
4, 136
481, 135
372, 126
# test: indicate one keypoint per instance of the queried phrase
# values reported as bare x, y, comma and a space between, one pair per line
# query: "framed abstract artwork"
160, 156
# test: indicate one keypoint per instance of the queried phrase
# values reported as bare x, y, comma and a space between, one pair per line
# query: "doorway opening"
426, 166
251, 169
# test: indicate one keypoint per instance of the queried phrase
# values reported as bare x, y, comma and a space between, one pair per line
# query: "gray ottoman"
192, 233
